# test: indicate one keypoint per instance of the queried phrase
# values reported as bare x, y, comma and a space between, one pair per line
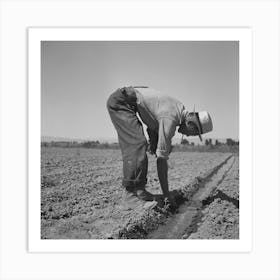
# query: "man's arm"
162, 169
167, 129
153, 140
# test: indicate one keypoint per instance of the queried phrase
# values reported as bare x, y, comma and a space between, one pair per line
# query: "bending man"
162, 115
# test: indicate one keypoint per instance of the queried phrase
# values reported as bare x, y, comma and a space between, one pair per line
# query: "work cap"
202, 120
205, 122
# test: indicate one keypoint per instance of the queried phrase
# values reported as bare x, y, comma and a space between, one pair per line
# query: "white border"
243, 35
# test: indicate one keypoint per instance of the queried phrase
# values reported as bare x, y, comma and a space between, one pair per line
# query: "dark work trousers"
122, 109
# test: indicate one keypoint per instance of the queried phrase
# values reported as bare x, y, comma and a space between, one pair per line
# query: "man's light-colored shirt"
160, 113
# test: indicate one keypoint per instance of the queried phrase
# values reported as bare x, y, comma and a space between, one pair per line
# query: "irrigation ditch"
205, 210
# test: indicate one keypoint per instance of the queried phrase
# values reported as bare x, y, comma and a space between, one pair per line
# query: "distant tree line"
208, 142
186, 142
229, 145
86, 144
208, 146
231, 142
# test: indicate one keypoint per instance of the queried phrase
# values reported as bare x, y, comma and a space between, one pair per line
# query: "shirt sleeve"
166, 131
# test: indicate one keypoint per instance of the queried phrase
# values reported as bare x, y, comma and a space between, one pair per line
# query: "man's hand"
172, 200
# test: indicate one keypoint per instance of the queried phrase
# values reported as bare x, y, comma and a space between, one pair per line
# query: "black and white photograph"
139, 139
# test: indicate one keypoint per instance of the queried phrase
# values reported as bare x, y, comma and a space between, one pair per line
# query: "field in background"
81, 189
208, 145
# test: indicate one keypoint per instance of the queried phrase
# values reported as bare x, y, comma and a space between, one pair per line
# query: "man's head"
196, 123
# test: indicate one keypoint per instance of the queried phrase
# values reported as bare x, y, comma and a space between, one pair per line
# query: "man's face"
189, 129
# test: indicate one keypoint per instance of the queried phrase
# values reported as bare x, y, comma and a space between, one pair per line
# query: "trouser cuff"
132, 185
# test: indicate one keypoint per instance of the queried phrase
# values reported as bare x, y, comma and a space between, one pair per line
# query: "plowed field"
81, 195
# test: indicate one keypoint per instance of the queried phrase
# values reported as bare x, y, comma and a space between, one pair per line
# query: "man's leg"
132, 141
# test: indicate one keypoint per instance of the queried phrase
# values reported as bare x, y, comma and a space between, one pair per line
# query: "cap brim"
199, 128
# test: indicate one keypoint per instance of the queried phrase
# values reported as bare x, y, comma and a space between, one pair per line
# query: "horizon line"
113, 138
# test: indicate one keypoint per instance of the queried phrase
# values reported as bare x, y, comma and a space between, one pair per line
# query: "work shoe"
144, 195
147, 198
130, 201
137, 199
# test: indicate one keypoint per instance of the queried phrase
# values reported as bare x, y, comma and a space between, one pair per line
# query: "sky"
77, 77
